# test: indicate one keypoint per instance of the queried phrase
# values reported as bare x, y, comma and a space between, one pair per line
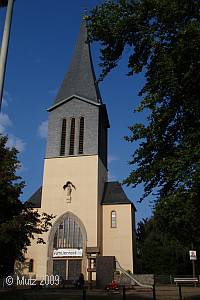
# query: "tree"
159, 252
164, 41
18, 221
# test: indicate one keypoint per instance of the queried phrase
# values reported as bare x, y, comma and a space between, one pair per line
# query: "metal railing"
131, 276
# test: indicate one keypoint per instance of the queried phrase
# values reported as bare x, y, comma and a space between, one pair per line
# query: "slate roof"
35, 199
114, 194
80, 79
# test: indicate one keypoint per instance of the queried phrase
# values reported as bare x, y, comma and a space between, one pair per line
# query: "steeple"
80, 79
78, 120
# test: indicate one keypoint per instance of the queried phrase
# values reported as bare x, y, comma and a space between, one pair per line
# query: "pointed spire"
80, 79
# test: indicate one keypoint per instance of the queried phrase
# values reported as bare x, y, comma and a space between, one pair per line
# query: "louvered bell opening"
72, 137
81, 135
63, 138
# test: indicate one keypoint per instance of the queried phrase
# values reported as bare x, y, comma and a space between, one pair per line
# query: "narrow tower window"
81, 135
63, 138
113, 219
72, 137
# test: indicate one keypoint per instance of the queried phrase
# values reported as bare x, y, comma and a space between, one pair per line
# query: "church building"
93, 217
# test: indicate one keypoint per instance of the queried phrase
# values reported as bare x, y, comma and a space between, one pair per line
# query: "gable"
71, 98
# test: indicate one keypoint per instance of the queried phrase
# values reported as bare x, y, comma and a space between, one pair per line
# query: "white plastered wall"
118, 241
88, 174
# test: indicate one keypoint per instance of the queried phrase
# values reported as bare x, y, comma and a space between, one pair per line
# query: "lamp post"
5, 42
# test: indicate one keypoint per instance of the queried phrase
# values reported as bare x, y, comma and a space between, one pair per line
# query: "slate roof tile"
80, 79
114, 194
35, 199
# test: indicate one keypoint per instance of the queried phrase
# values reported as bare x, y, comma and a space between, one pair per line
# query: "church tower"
75, 188
78, 119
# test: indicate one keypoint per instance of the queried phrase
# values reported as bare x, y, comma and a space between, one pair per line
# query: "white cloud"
6, 98
4, 123
14, 141
112, 158
4, 102
43, 129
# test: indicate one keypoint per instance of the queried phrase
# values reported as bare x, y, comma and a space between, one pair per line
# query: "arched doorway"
67, 247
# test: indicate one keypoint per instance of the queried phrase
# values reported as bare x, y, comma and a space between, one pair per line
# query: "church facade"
93, 217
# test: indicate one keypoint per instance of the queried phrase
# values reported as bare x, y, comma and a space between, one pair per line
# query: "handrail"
131, 276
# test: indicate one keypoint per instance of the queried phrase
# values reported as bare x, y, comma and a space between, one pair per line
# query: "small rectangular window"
113, 219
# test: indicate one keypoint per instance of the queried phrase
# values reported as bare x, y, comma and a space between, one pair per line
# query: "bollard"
180, 293
154, 291
124, 293
84, 294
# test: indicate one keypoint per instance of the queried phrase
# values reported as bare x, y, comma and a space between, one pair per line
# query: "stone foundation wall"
122, 279
145, 278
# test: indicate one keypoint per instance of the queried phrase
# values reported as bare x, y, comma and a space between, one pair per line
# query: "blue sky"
42, 41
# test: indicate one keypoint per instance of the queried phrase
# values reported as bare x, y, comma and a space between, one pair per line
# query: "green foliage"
159, 253
163, 39
18, 222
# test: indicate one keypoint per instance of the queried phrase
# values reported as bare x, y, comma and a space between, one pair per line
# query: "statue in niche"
68, 186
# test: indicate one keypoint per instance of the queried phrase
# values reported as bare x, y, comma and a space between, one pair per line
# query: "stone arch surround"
51, 238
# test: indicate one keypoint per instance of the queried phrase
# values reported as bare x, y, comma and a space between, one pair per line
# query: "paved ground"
171, 292
162, 293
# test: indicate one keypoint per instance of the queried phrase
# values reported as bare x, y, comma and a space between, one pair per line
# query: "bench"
179, 281
183, 280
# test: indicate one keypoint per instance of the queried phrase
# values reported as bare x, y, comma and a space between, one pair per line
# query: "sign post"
193, 257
